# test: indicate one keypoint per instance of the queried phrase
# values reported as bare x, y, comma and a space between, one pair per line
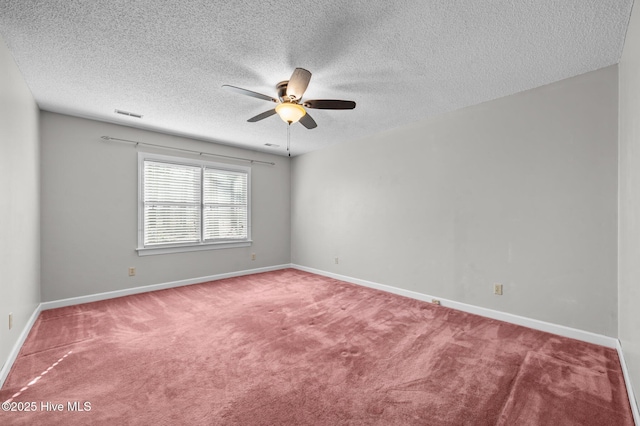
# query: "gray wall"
19, 203
520, 191
629, 216
89, 212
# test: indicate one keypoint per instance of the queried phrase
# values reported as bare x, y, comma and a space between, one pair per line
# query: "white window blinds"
193, 204
171, 203
225, 204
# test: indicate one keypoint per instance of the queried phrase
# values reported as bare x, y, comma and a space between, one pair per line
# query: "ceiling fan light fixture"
288, 105
290, 112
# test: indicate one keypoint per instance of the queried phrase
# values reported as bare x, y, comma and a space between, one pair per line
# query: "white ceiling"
400, 61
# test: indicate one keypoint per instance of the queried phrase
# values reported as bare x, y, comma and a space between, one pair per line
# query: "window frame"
191, 246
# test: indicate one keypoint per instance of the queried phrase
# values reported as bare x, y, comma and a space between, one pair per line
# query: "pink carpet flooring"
293, 348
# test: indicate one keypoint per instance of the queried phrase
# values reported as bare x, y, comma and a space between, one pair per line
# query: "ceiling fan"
290, 106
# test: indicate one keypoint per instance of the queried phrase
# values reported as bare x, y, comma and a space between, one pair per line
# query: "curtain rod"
109, 138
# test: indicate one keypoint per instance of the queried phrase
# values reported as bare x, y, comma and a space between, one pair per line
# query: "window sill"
150, 251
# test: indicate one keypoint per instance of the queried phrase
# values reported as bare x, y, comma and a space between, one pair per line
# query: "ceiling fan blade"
329, 104
298, 83
262, 116
249, 93
308, 122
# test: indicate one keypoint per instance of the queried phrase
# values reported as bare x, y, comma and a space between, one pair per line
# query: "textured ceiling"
400, 61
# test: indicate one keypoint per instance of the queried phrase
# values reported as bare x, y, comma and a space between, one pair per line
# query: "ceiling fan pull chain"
289, 138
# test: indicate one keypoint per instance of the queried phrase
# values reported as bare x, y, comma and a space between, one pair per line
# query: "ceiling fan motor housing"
282, 90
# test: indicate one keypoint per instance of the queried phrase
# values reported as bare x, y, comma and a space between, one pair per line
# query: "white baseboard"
144, 289
4, 373
560, 330
627, 381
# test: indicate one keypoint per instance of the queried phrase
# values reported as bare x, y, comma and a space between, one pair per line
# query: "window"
187, 205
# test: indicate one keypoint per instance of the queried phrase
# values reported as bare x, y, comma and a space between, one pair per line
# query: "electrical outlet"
497, 289
253, 256
132, 272
10, 321
337, 260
